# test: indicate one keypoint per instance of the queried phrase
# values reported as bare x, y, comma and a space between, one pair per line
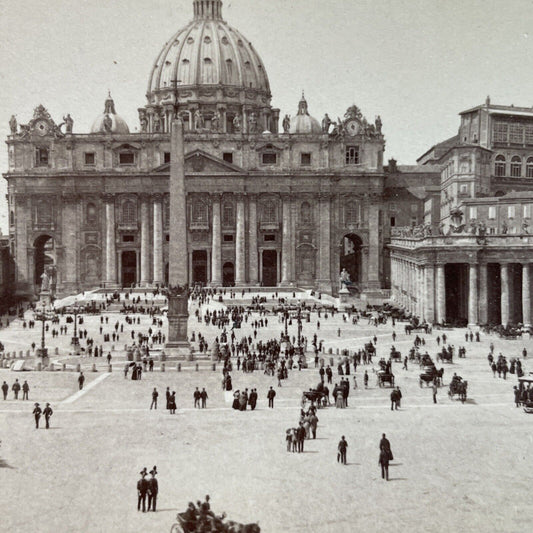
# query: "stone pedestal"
178, 343
42, 355
344, 299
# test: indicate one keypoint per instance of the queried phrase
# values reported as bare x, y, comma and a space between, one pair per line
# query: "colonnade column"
324, 249
158, 240
286, 242
252, 241
216, 246
110, 264
145, 241
504, 279
472, 295
420, 291
483, 294
240, 244
429, 294
70, 240
441, 294
526, 295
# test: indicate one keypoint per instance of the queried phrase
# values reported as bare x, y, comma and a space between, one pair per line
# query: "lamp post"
299, 318
43, 316
75, 341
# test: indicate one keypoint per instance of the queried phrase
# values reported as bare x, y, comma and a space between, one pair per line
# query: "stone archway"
228, 275
351, 257
44, 250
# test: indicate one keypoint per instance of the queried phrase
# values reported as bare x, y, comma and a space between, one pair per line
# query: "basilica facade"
270, 201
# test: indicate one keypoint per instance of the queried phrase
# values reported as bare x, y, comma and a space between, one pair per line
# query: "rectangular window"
41, 157
473, 213
492, 213
269, 238
414, 209
352, 155
527, 211
90, 158
516, 133
228, 157
392, 222
228, 238
511, 211
128, 238
305, 159
529, 134
269, 159
499, 132
167, 237
127, 158
166, 157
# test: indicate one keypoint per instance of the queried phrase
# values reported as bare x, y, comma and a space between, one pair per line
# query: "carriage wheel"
176, 528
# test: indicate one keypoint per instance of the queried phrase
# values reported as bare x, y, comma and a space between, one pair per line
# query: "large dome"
208, 52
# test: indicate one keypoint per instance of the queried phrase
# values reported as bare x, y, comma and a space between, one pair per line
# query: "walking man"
81, 380
435, 390
197, 397
155, 394
5, 389
271, 394
47, 414
384, 462
37, 413
153, 489
25, 390
203, 396
16, 389
341, 455
168, 397
142, 489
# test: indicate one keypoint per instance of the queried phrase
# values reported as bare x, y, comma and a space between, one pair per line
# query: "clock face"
352, 127
41, 127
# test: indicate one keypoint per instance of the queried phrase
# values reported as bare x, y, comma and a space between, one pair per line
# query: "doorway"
44, 249
129, 268
199, 266
270, 268
228, 275
350, 257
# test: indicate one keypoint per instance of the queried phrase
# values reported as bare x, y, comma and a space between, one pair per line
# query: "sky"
416, 63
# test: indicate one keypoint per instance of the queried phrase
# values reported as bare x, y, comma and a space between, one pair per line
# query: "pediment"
200, 162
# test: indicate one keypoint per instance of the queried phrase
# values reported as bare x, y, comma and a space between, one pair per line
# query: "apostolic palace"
273, 200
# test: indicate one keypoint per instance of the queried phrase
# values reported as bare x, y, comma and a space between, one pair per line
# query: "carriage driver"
456, 378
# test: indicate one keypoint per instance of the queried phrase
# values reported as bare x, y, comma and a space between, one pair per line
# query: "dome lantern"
207, 9
303, 123
109, 121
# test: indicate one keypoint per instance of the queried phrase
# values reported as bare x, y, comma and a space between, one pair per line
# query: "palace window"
269, 158
228, 215
305, 213
499, 166
166, 157
91, 214
90, 158
268, 214
352, 155
529, 167
305, 159
492, 212
126, 158
351, 213
500, 132
128, 238
473, 213
199, 212
516, 133
516, 167
228, 157
511, 211
228, 237
129, 212
529, 134
41, 157
269, 238
527, 211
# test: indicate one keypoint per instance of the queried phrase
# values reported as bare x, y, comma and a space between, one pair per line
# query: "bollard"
63, 367
94, 367
214, 367
110, 368
162, 367
78, 368
163, 356
39, 366
197, 367
331, 361
56, 350
27, 353
330, 351
21, 354
178, 368
337, 351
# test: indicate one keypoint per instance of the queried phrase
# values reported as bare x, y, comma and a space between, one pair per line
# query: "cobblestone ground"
463, 467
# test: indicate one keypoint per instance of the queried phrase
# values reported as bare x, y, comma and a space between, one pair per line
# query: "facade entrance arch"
199, 266
228, 275
351, 257
44, 253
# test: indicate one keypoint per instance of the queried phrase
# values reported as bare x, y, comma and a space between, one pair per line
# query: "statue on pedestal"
237, 124
45, 282
286, 124
13, 125
326, 123
344, 279
198, 120
69, 123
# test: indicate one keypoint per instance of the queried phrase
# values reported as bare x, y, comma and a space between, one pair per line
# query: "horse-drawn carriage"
524, 382
395, 355
192, 521
385, 378
445, 356
430, 374
319, 395
458, 387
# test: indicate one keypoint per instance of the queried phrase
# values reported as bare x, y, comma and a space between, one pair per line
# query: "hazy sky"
417, 63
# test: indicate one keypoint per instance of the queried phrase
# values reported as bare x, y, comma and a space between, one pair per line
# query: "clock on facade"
41, 127
353, 127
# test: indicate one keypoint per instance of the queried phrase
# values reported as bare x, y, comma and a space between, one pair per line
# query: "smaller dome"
109, 121
303, 123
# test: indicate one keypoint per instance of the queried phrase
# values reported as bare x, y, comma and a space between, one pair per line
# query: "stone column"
216, 246
420, 291
145, 240
111, 255
429, 294
373, 248
70, 243
504, 291
286, 242
252, 241
158, 240
526, 295
441, 294
240, 244
324, 248
472, 295
483, 294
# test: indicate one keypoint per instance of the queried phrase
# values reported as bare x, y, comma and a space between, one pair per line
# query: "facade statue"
198, 120
252, 123
215, 122
326, 123
108, 124
352, 112
379, 125
143, 120
286, 124
176, 290
69, 123
237, 123
13, 125
344, 278
45, 281
156, 123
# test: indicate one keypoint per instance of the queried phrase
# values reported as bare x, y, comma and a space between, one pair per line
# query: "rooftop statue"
286, 124
69, 123
326, 123
13, 125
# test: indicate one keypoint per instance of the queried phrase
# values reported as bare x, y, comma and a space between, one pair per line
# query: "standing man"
313, 420
197, 397
81, 380
252, 400
168, 397
5, 389
16, 389
435, 390
271, 394
25, 390
37, 413
393, 400
153, 489
384, 462
155, 394
203, 396
142, 489
341, 455
47, 414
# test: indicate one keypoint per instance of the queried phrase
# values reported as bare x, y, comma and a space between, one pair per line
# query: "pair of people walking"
147, 488
47, 412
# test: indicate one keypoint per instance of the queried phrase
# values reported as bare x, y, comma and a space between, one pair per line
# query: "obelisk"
178, 314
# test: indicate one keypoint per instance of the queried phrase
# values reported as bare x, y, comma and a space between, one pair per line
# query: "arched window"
129, 215
305, 213
499, 166
269, 215
199, 212
516, 167
351, 213
228, 215
529, 167
91, 214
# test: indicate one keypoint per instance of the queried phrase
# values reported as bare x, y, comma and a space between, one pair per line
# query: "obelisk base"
177, 342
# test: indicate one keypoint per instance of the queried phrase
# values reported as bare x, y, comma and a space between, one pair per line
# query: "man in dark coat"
25, 390
271, 394
5, 389
168, 397
384, 462
329, 373
47, 414
142, 489
155, 394
81, 380
253, 399
153, 489
300, 437
341, 451
203, 396
197, 397
37, 414
16, 389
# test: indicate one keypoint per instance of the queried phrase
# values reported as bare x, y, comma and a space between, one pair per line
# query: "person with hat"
81, 380
5, 389
47, 414
16, 389
341, 455
142, 489
155, 394
37, 413
25, 390
153, 489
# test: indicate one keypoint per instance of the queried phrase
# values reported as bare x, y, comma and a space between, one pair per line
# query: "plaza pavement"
457, 467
